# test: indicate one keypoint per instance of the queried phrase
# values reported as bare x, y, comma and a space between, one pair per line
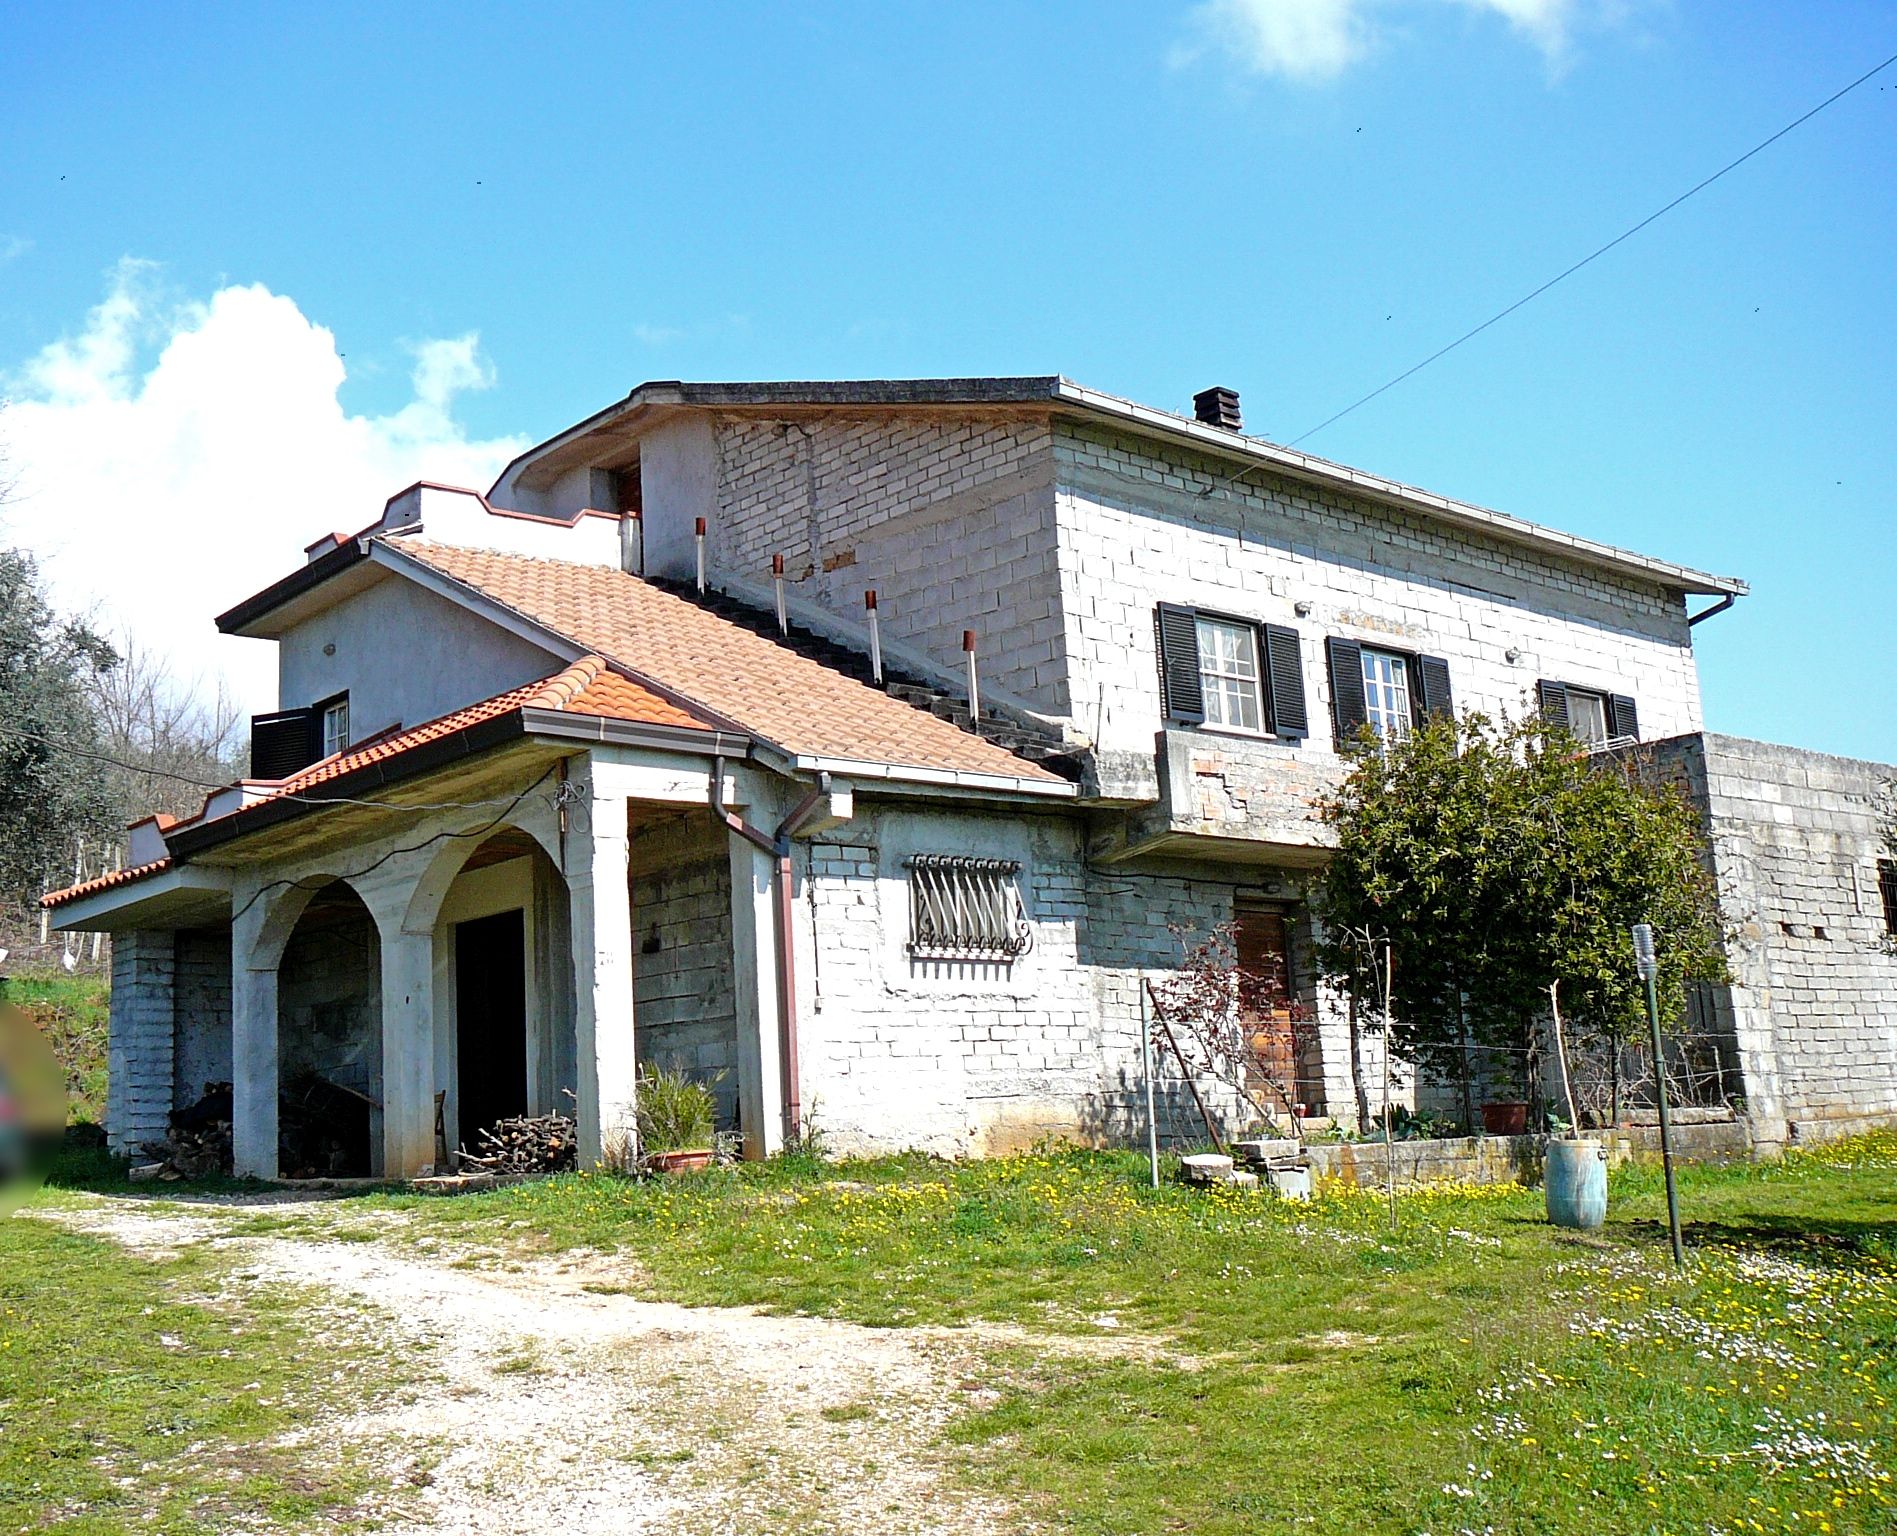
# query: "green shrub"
676, 1113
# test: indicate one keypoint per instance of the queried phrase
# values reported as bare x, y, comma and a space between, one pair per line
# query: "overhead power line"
74, 750
1625, 234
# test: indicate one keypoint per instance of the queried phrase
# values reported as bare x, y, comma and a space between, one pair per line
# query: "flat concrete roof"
1062, 396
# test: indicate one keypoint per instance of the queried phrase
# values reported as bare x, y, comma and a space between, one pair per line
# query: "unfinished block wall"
1794, 846
1140, 524
202, 1013
684, 1001
951, 521
963, 1057
139, 1060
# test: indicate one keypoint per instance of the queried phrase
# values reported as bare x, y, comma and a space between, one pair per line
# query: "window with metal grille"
1887, 888
963, 908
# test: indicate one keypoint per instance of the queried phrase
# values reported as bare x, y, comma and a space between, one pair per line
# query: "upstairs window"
1587, 717
335, 725
1887, 888
1592, 716
1228, 674
963, 908
1393, 692
1386, 694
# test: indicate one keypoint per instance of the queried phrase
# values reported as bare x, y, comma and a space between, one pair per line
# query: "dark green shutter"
1284, 671
1553, 698
1623, 720
1436, 699
1348, 712
1178, 630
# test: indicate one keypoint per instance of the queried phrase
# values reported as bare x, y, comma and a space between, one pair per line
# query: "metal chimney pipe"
632, 544
875, 637
698, 539
777, 580
974, 683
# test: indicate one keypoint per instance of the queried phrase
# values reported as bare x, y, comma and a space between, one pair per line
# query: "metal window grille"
1887, 888
964, 908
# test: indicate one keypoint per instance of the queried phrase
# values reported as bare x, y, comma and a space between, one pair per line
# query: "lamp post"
1649, 968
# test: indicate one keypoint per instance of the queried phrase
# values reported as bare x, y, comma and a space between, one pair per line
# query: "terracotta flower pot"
687, 1160
1506, 1118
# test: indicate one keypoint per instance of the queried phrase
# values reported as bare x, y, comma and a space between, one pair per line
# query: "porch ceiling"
484, 784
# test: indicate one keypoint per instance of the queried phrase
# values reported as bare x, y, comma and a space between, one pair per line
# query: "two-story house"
662, 751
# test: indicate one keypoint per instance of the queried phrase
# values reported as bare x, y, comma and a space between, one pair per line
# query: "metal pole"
777, 581
1146, 1068
875, 637
1649, 968
974, 683
1389, 1138
698, 549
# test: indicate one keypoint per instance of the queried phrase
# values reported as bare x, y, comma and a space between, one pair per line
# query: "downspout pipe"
1719, 607
783, 906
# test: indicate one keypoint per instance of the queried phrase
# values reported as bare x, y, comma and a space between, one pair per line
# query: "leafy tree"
1500, 859
49, 795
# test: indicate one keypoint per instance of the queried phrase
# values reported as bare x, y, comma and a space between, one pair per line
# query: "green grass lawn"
1288, 1367
132, 1399
71, 1011
1223, 1362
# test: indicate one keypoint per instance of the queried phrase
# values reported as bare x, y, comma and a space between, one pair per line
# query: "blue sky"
255, 263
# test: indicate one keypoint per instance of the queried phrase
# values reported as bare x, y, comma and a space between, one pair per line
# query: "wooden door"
1264, 956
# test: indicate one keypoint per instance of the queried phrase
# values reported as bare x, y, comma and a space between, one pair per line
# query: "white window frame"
1597, 700
335, 721
1388, 703
1217, 673
965, 908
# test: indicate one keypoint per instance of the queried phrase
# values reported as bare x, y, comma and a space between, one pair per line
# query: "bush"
676, 1113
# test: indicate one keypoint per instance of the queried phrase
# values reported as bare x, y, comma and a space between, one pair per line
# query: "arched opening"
329, 1040
505, 1038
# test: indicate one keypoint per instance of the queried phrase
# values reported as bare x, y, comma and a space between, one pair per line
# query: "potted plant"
678, 1121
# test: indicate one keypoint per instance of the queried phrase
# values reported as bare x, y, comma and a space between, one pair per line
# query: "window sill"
1234, 732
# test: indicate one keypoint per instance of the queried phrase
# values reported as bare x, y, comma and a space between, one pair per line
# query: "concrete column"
601, 929
754, 974
408, 1053
253, 1046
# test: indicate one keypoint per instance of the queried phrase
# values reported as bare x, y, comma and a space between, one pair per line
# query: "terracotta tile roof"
745, 679
588, 687
99, 883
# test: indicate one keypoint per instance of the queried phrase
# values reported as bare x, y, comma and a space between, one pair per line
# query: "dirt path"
551, 1408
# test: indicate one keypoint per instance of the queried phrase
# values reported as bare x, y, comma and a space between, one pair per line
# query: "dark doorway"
490, 1021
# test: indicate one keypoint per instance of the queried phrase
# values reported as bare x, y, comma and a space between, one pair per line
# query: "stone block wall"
684, 1002
139, 1059
952, 522
201, 1013
1140, 524
329, 997
984, 1058
1813, 1003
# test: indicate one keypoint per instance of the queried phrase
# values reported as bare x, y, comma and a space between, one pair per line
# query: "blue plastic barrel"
1575, 1184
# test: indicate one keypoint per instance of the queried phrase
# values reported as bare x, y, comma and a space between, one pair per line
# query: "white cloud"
172, 458
1302, 39
1319, 39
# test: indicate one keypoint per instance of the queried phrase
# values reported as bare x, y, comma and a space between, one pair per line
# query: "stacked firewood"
525, 1144
197, 1142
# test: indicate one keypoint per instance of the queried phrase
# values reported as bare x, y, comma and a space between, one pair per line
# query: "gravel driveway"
550, 1405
